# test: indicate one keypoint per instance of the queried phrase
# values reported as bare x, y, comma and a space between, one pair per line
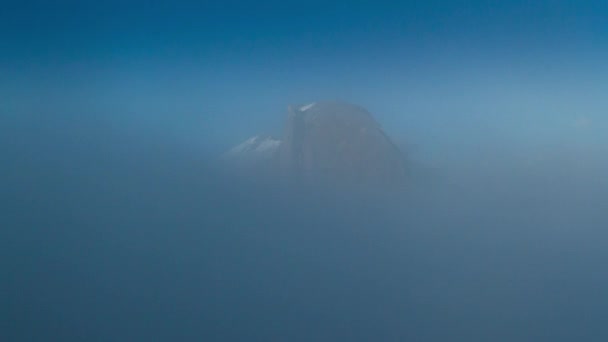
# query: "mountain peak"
341, 142
330, 141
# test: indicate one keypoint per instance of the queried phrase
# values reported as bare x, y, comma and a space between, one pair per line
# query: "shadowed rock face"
339, 142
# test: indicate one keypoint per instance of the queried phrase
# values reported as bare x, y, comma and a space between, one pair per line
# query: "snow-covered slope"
259, 147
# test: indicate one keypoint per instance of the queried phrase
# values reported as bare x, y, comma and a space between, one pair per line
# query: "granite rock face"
328, 142
332, 141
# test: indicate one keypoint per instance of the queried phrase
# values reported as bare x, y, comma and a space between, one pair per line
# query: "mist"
112, 237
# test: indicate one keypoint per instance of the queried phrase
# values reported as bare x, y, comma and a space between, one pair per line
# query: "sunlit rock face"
339, 143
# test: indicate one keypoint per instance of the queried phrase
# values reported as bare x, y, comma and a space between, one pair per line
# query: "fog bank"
115, 237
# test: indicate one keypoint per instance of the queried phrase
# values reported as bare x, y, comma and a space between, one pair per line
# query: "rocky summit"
331, 142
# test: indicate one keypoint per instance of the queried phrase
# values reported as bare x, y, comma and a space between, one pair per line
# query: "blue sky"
439, 75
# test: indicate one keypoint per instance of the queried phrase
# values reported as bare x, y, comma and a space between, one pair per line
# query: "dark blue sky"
72, 30
435, 73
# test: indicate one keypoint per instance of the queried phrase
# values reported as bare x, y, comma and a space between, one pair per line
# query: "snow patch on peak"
268, 145
255, 147
246, 145
307, 107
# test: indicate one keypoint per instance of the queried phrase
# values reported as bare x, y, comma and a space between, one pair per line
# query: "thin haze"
117, 224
